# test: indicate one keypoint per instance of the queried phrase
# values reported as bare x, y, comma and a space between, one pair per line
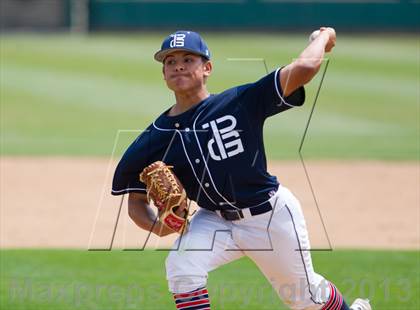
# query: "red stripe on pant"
335, 301
192, 303
194, 300
191, 294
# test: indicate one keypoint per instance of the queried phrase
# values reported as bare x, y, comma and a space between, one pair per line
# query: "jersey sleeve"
135, 159
265, 98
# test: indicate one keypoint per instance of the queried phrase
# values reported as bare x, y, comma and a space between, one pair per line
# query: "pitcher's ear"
208, 67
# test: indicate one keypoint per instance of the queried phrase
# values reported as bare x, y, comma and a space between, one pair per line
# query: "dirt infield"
54, 202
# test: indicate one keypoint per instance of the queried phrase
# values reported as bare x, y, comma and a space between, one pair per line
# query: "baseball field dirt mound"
66, 203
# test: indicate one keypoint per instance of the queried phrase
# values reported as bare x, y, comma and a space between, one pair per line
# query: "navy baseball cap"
183, 41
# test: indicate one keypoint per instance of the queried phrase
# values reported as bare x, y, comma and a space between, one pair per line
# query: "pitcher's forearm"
313, 55
142, 215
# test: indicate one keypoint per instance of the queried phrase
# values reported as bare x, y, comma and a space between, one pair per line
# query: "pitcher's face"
184, 71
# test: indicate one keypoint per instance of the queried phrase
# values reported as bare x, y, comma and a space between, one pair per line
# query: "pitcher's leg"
200, 250
288, 264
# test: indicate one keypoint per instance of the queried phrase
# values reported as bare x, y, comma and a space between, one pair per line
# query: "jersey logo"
178, 40
223, 129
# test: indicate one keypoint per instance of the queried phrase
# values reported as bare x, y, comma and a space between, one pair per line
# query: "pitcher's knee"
294, 297
300, 295
183, 275
186, 283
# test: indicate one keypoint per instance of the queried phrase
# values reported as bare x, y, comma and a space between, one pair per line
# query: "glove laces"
160, 185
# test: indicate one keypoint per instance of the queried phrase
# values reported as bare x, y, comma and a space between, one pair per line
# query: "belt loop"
275, 198
246, 213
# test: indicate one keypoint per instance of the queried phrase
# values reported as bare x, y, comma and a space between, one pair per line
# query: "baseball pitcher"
209, 148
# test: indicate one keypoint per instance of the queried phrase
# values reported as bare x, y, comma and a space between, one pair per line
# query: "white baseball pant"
276, 241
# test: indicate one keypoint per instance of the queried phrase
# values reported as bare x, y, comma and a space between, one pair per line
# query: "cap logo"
178, 40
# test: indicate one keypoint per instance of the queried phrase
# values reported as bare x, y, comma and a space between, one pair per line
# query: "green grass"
69, 95
76, 279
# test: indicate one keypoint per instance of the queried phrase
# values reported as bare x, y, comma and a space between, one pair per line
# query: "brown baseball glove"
167, 194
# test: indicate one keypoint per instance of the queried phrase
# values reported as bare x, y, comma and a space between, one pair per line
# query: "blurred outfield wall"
34, 14
351, 15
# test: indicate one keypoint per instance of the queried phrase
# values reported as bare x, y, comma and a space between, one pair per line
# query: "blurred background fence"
84, 15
